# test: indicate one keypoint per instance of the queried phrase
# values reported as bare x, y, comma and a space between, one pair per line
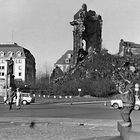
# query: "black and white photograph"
69, 70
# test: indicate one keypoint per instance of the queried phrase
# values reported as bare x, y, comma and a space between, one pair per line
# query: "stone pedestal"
129, 133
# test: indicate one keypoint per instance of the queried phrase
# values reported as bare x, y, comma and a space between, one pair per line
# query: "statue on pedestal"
126, 91
121, 48
125, 85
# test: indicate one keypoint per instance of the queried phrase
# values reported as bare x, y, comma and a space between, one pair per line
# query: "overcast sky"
42, 26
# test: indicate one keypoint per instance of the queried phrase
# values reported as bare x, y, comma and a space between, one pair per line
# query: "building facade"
24, 70
64, 62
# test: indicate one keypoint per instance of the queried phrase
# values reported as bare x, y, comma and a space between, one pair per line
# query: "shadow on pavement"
104, 138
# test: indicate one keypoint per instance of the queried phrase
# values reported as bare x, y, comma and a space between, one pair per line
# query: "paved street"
85, 111
58, 121
61, 121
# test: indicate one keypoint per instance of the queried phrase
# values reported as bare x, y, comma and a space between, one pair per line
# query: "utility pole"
12, 36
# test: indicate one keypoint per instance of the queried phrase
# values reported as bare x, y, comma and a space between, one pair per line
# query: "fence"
51, 96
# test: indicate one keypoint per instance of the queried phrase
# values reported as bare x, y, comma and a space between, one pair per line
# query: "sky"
42, 26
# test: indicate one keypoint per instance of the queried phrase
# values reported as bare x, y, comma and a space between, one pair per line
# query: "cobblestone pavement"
57, 129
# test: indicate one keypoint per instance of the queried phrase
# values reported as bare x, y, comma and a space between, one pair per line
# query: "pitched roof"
62, 59
14, 48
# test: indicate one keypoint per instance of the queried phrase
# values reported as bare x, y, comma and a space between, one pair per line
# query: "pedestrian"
11, 95
18, 99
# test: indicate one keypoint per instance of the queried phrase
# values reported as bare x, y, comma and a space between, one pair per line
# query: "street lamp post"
79, 90
136, 90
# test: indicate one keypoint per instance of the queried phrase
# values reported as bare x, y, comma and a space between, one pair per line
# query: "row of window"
16, 61
1, 67
2, 74
10, 54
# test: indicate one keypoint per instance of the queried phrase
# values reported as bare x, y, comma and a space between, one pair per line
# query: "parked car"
117, 103
26, 98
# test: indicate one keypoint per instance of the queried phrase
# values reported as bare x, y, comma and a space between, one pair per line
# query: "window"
2, 67
20, 61
1, 54
1, 73
10, 54
20, 67
69, 55
1, 61
25, 95
67, 61
16, 60
18, 54
19, 74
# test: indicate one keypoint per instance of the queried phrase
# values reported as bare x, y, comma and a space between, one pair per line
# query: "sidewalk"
57, 129
74, 100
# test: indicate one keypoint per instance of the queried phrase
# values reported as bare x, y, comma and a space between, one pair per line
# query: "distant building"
24, 70
127, 48
65, 61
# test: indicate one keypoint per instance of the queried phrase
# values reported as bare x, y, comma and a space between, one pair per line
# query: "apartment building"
24, 67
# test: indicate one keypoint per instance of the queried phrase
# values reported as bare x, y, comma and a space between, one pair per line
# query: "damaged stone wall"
128, 49
87, 32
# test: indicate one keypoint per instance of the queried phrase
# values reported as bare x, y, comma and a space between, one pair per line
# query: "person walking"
18, 99
11, 95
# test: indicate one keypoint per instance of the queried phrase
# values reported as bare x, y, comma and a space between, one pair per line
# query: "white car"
117, 103
26, 98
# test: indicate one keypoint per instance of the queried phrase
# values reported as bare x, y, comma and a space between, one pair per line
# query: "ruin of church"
87, 32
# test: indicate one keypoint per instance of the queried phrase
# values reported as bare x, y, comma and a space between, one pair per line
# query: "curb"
93, 102
74, 103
